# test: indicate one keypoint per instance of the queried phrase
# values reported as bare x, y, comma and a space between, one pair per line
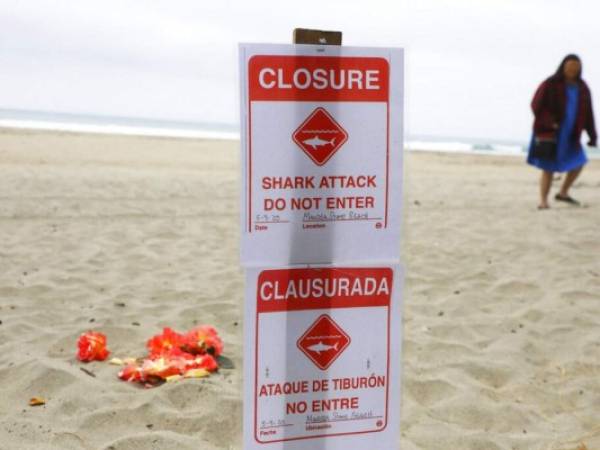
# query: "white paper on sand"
321, 135
323, 370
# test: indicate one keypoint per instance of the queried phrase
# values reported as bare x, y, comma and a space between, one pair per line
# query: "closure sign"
321, 202
323, 372
321, 152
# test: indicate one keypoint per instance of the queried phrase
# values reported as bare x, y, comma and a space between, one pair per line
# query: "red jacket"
549, 103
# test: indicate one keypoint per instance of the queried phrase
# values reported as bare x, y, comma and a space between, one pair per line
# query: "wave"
82, 123
450, 146
478, 147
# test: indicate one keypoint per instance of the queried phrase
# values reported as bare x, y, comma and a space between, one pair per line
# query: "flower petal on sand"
37, 401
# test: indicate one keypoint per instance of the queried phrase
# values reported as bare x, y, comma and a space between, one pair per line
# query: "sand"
126, 235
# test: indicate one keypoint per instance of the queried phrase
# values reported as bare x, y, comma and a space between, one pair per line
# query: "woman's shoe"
566, 199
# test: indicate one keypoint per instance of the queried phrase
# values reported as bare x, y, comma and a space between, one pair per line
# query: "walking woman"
562, 106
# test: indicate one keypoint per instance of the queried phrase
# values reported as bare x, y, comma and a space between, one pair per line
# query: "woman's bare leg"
569, 180
545, 184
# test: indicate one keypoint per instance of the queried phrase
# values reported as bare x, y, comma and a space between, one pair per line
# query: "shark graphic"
316, 141
320, 347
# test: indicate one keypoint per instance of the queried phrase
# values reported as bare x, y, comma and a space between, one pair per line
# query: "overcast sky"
471, 66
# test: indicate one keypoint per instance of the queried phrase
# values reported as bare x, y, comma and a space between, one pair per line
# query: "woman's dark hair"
560, 72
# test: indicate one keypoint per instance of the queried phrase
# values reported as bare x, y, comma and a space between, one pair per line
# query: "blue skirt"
569, 156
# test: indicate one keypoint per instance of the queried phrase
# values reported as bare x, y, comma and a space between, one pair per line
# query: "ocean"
87, 123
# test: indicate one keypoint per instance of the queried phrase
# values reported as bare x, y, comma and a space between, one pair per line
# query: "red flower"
206, 362
161, 368
173, 356
163, 344
203, 339
131, 372
92, 346
174, 353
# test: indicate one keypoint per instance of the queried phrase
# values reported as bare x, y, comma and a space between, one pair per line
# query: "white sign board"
321, 154
324, 368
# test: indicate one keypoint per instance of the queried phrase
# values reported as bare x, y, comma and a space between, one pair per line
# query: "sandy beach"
126, 235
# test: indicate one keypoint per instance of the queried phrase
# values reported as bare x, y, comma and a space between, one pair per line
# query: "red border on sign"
319, 306
316, 99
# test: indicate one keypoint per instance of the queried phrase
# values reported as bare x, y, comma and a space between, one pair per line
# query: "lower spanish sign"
323, 372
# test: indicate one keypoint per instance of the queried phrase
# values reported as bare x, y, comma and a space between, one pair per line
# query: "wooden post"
318, 37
